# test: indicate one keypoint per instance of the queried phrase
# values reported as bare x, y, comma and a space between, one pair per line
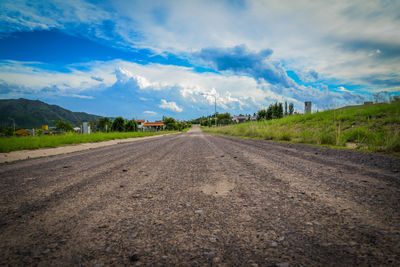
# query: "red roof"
141, 120
153, 124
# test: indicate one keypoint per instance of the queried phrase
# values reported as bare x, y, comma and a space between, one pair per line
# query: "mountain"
34, 113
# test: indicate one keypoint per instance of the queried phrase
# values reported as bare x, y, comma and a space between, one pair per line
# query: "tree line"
104, 124
275, 111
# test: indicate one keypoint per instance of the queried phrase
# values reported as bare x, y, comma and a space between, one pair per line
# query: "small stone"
124, 170
273, 244
281, 238
121, 185
133, 258
77, 258
46, 251
283, 264
352, 243
133, 235
53, 245
198, 211
216, 260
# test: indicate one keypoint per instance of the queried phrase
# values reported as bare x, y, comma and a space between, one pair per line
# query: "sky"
177, 58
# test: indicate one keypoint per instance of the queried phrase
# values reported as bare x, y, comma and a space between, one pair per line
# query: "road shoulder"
44, 152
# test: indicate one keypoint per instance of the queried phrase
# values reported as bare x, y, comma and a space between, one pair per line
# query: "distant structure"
141, 123
85, 128
307, 107
240, 119
368, 102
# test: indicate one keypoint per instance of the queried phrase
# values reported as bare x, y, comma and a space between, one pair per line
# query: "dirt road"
201, 199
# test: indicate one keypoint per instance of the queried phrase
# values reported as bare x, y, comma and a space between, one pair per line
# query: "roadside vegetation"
33, 142
103, 129
368, 127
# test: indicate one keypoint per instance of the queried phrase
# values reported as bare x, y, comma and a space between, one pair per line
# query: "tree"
131, 126
64, 126
9, 131
118, 125
169, 123
179, 126
291, 109
279, 113
286, 111
261, 115
224, 118
104, 124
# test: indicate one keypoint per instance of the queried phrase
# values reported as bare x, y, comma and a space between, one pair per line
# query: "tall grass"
370, 127
8, 144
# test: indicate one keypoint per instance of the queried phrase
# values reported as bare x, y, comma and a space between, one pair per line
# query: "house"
240, 119
140, 123
154, 126
22, 132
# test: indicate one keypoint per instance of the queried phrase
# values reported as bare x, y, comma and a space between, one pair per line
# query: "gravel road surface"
201, 199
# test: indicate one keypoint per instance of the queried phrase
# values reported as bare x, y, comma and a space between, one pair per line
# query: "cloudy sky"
146, 59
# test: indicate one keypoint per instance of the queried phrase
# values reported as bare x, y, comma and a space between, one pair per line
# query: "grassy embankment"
369, 127
8, 144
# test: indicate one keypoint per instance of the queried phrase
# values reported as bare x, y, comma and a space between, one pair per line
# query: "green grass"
370, 127
8, 144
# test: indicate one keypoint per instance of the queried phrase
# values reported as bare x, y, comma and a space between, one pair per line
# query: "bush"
118, 125
393, 143
131, 126
64, 126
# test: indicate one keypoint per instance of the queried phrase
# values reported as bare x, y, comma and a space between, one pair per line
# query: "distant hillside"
34, 113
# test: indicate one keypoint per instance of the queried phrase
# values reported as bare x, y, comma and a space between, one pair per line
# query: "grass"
370, 127
14, 143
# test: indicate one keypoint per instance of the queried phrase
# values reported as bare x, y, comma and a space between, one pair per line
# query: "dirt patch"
220, 188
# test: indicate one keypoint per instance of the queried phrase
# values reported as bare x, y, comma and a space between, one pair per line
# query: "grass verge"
368, 127
14, 143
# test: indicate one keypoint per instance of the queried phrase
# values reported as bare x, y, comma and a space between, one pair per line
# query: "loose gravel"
201, 199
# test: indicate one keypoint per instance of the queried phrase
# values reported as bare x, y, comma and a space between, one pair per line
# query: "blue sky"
146, 59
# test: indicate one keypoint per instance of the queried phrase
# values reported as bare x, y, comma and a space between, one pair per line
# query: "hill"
34, 113
369, 127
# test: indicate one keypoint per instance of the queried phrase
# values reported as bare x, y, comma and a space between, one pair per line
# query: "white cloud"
149, 112
170, 105
181, 86
342, 89
345, 40
36, 76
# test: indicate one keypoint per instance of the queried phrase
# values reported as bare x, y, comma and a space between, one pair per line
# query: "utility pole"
215, 106
215, 110
13, 123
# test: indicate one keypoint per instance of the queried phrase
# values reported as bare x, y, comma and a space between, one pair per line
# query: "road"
201, 199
